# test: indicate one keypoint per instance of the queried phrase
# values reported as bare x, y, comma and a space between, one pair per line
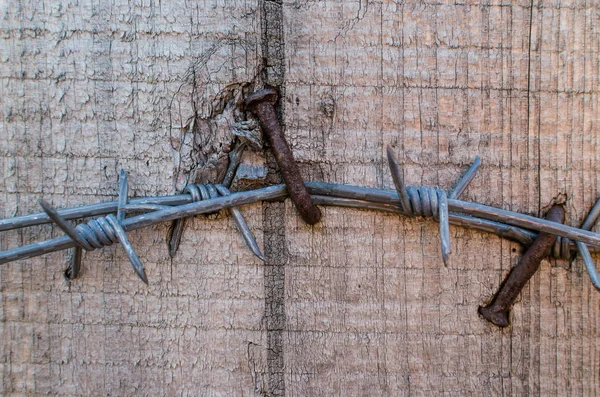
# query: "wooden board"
360, 304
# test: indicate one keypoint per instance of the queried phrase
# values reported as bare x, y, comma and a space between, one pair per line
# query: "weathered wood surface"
360, 304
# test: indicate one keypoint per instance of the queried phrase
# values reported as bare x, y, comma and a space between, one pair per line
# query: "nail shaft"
261, 104
498, 311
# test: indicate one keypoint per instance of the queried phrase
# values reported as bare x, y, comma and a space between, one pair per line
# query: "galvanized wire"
406, 200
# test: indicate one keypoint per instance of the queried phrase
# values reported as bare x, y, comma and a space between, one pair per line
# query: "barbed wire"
112, 223
412, 201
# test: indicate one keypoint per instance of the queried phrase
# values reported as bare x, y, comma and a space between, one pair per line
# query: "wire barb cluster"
206, 192
112, 225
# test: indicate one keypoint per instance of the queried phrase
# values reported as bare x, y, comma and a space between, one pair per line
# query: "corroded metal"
262, 105
497, 312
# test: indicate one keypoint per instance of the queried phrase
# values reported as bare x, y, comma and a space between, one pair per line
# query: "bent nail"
261, 104
497, 312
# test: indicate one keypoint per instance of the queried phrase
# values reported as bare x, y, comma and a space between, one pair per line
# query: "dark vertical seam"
272, 46
581, 288
529, 96
538, 148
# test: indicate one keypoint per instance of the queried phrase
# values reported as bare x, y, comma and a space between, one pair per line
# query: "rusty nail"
497, 312
262, 105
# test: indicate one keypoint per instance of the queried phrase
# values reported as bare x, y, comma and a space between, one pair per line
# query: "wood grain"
359, 304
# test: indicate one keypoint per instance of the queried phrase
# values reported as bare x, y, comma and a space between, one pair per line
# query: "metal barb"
198, 192
235, 157
123, 195
398, 180
423, 202
64, 225
444, 226
76, 256
176, 234
584, 252
242, 225
74, 268
466, 179
137, 265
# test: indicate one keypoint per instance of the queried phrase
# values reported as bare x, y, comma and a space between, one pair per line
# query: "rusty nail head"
497, 311
262, 105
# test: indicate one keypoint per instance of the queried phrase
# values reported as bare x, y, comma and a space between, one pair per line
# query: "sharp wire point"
396, 172
242, 225
75, 263
64, 225
123, 195
444, 225
137, 265
589, 264
176, 234
142, 275
584, 252
465, 179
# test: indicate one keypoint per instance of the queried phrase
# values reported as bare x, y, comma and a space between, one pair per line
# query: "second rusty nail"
497, 312
262, 105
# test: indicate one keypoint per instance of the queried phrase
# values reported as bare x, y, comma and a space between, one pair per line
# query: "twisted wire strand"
98, 233
430, 202
504, 223
332, 194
